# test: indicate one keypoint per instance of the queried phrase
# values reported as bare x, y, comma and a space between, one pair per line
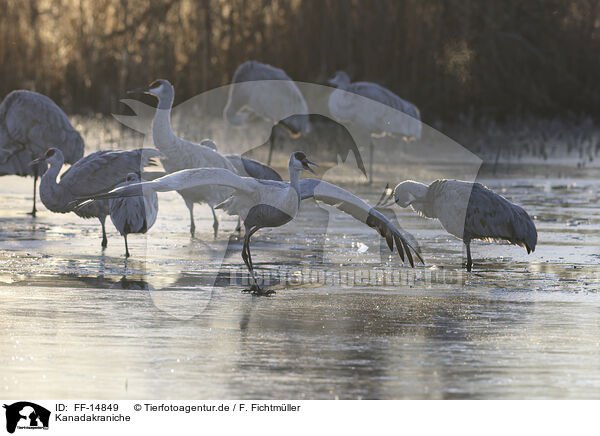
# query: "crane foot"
258, 291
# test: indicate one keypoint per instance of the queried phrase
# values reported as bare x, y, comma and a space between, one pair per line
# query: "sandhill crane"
275, 98
487, 215
181, 154
30, 123
267, 203
394, 116
327, 139
133, 214
244, 167
97, 172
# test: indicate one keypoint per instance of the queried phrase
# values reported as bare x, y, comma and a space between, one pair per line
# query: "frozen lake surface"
79, 322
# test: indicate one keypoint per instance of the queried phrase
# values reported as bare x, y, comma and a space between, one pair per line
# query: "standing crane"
31, 123
268, 203
487, 216
275, 98
394, 116
97, 172
181, 154
133, 214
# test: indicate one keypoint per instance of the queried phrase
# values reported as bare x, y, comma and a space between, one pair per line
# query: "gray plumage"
267, 203
31, 123
379, 119
274, 101
276, 98
469, 211
246, 167
394, 116
181, 154
133, 214
329, 140
97, 172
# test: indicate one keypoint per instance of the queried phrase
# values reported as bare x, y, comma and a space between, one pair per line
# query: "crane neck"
421, 207
162, 117
295, 180
51, 191
162, 121
163, 110
162, 132
166, 101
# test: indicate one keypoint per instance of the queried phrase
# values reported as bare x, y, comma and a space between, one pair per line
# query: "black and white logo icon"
26, 415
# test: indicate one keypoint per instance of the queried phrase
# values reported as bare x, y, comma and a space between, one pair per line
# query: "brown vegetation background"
450, 57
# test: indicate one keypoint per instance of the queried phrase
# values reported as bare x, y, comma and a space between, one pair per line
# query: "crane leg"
104, 240
371, 153
190, 206
126, 247
271, 145
255, 289
469, 260
250, 255
215, 221
34, 210
245, 257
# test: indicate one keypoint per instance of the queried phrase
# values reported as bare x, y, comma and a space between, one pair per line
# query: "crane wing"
491, 216
354, 206
142, 120
252, 168
32, 120
184, 179
101, 171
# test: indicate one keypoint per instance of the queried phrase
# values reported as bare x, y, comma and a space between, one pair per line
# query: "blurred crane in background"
394, 116
30, 124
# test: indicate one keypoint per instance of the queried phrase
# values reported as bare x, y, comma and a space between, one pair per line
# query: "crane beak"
142, 90
36, 161
305, 164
